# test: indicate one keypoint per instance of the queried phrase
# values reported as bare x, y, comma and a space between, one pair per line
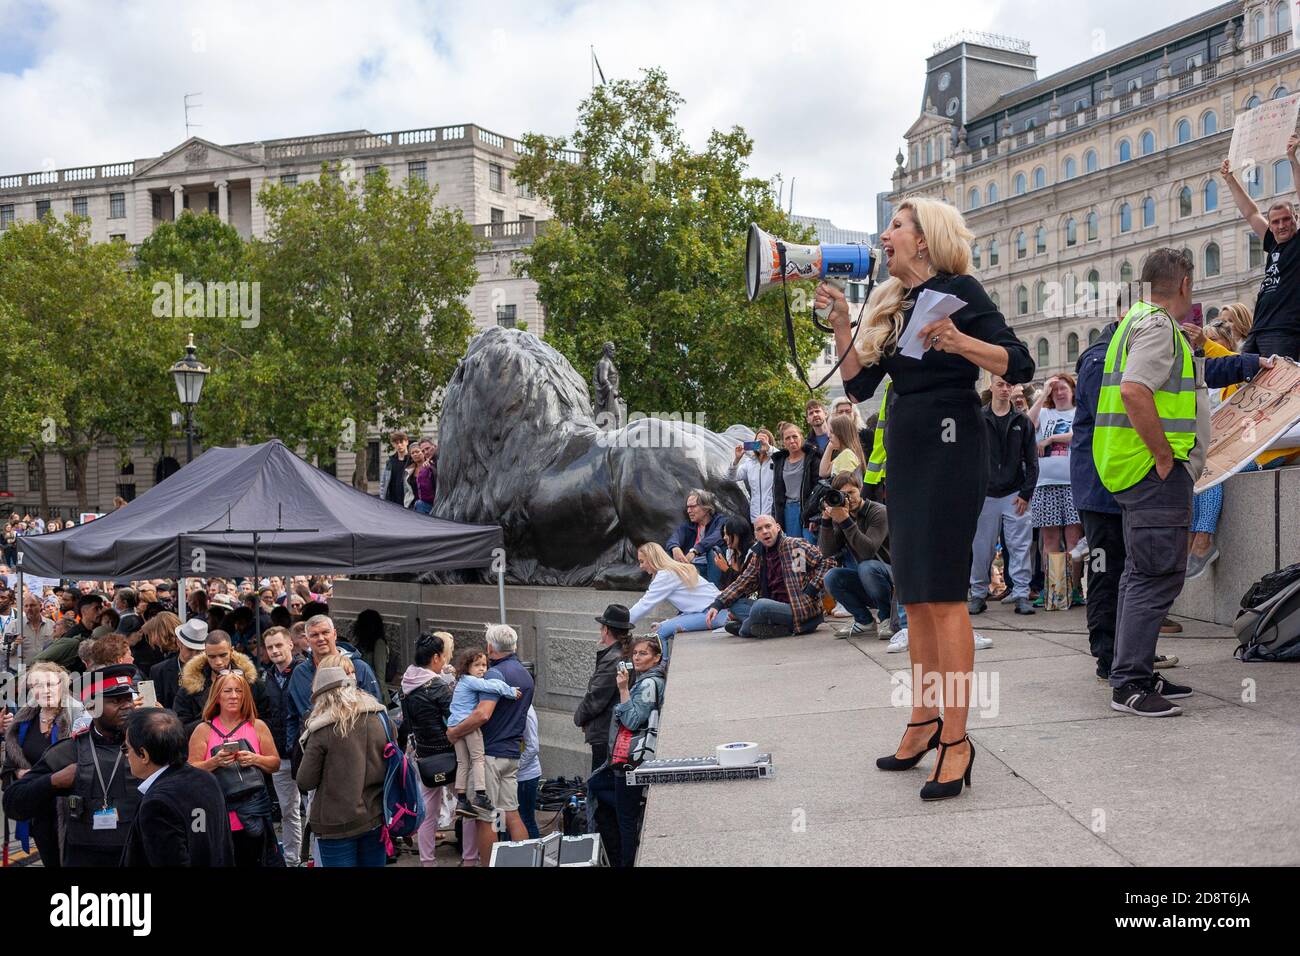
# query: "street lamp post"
189, 373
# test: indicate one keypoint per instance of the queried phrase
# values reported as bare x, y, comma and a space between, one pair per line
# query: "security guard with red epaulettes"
90, 773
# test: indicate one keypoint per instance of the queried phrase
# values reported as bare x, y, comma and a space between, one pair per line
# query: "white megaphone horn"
770, 262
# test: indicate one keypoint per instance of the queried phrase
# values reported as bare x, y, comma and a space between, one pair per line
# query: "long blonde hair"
655, 556
342, 706
1238, 318
948, 240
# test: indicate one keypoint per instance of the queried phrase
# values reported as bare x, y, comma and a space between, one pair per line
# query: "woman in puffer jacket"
426, 705
632, 736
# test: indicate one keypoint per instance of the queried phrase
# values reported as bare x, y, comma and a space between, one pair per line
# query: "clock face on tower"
953, 105
945, 80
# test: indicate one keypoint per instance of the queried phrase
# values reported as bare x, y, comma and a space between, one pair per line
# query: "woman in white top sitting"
680, 585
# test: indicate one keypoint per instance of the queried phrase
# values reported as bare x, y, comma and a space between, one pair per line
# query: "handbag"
236, 782
437, 770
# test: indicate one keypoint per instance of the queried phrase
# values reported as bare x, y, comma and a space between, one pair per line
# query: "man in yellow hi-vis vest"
1149, 442
873, 478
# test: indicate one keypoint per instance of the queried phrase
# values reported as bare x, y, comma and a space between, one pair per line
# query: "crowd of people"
252, 711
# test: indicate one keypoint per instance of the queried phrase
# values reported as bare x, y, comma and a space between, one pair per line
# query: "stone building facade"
1069, 181
125, 201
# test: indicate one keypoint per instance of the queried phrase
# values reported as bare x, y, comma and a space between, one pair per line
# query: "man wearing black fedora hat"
597, 706
89, 772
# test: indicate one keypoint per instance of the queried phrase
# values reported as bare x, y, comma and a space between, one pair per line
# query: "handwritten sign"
1260, 135
1251, 421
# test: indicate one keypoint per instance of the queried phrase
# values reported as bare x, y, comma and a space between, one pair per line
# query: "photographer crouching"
856, 532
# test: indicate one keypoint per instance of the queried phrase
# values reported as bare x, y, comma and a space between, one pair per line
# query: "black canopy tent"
223, 515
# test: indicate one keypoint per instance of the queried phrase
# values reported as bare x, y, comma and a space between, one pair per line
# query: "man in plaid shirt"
788, 574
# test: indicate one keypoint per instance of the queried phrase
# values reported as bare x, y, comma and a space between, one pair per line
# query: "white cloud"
825, 90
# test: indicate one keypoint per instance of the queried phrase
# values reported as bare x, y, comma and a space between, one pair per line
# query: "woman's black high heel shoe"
933, 789
907, 763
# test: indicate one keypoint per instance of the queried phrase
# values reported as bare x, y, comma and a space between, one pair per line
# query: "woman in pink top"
237, 747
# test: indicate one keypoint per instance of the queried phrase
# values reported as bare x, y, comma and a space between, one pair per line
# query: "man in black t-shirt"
1276, 329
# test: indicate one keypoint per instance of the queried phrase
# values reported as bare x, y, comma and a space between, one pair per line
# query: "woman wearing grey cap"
343, 763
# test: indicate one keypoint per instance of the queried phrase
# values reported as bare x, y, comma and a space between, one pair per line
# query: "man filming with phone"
856, 531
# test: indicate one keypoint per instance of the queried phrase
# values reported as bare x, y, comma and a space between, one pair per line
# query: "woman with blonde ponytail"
937, 450
678, 583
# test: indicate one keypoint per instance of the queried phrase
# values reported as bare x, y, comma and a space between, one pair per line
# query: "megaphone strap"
789, 328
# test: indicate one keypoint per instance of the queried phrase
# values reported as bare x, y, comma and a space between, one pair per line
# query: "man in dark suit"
182, 820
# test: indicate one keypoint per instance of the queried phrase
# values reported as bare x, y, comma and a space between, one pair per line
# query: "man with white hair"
323, 640
503, 723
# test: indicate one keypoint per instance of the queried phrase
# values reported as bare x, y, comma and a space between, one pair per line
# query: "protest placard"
1251, 421
1259, 136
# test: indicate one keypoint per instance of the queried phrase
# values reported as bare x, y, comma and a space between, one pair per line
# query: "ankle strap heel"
933, 789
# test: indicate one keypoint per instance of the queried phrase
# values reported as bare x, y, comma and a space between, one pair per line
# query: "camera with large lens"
834, 498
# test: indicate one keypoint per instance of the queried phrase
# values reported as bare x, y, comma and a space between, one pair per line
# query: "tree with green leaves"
647, 250
363, 314
104, 381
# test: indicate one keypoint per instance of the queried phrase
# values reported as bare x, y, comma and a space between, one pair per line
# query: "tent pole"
501, 589
257, 593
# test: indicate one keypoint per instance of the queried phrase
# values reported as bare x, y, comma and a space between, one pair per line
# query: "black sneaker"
463, 809
732, 627
976, 605
481, 802
1169, 690
1142, 702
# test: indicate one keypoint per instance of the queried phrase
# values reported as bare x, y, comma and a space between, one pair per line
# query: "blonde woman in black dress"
937, 451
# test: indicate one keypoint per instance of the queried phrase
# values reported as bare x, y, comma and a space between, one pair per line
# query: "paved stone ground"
1059, 777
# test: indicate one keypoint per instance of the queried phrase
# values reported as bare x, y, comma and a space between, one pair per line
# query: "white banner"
1259, 137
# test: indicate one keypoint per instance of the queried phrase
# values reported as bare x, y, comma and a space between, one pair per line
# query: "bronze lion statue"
518, 447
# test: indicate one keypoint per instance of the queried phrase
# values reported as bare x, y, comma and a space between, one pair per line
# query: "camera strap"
789, 327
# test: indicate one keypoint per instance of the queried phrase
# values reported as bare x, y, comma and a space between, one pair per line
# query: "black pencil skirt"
936, 475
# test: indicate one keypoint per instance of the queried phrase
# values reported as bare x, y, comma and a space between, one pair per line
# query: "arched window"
993, 253
1211, 196
1040, 295
1125, 151
1071, 292
1094, 225
1125, 273
1252, 102
996, 300
975, 256
973, 201
1255, 182
1090, 161
1183, 132
1044, 353
1212, 259
929, 152
1071, 232
1040, 177
1125, 217
1148, 212
1148, 143
1020, 184
1093, 336
1072, 347
1022, 300
1040, 241
1278, 93
993, 192
1281, 19
1022, 245
1071, 168
1281, 176
1185, 201
1209, 123
1260, 30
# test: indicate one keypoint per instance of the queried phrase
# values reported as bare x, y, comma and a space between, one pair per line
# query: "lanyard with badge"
105, 816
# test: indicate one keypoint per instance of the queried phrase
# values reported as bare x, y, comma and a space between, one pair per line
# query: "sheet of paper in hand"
1259, 137
930, 305
1251, 420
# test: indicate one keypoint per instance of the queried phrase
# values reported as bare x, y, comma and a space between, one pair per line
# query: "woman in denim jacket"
634, 726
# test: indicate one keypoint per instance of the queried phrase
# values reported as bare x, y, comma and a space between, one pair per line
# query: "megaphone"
770, 261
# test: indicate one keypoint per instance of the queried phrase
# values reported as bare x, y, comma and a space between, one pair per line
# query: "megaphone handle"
840, 284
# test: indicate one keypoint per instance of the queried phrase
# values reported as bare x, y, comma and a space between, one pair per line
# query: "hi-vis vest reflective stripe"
875, 472
1121, 457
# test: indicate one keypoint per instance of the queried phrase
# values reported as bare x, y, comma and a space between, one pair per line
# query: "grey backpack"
1270, 630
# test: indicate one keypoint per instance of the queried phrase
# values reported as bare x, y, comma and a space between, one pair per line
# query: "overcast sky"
825, 90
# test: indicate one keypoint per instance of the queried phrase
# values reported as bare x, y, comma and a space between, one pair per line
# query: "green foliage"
647, 251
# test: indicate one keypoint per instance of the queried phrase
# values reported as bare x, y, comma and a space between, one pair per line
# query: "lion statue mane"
518, 447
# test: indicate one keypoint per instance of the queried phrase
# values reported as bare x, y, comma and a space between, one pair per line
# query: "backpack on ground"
1269, 585
1269, 630
403, 802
